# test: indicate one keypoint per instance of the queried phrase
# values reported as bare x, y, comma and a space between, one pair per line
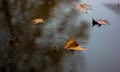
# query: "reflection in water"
83, 31
32, 50
113, 7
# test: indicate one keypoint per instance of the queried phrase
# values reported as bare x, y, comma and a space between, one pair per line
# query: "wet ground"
29, 47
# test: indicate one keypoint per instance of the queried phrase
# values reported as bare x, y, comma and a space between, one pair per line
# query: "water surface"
26, 47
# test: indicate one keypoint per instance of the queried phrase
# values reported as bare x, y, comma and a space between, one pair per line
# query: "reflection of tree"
7, 15
113, 7
83, 31
18, 16
24, 54
6, 26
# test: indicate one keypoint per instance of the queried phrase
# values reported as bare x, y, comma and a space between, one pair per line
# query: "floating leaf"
71, 44
99, 22
102, 22
38, 20
77, 48
84, 8
81, 6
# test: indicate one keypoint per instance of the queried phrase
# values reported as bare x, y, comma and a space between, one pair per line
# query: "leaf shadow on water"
113, 7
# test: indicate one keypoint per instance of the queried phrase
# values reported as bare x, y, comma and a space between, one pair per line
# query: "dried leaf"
81, 6
102, 21
77, 48
38, 20
71, 44
84, 8
99, 22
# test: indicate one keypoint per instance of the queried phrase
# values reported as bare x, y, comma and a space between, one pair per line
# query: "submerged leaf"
85, 10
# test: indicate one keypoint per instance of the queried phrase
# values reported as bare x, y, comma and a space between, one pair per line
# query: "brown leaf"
103, 22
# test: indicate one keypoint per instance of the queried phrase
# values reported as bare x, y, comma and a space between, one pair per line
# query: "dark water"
26, 47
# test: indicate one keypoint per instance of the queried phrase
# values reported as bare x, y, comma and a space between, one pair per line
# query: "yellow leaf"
71, 44
77, 48
82, 6
38, 20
